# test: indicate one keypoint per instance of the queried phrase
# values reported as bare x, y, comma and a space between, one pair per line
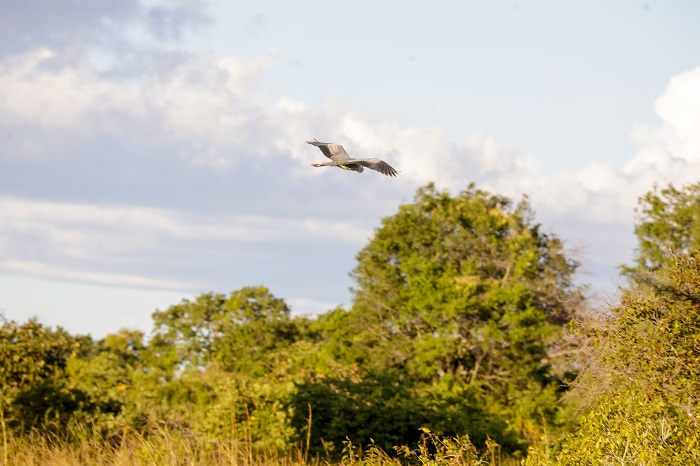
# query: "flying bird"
340, 158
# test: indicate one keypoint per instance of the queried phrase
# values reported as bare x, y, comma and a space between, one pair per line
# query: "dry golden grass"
174, 449
165, 446
162, 450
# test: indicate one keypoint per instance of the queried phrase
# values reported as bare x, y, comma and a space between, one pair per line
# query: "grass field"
168, 448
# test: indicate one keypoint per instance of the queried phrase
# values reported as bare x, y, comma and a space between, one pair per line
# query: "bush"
643, 368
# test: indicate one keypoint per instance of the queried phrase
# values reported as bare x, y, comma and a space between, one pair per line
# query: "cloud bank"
181, 176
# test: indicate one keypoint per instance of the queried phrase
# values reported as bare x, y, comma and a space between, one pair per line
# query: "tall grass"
175, 445
162, 449
172, 448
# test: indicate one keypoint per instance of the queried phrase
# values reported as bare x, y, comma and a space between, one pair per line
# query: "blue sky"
155, 150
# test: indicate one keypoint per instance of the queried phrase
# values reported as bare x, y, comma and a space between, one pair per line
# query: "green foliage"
644, 368
668, 224
466, 289
110, 367
34, 394
239, 331
249, 409
380, 407
30, 353
468, 284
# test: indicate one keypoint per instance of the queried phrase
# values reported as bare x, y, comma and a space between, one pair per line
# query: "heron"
340, 158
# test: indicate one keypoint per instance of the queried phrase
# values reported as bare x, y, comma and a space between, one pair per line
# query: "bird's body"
340, 158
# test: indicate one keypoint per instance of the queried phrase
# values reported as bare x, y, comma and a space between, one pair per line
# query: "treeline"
466, 324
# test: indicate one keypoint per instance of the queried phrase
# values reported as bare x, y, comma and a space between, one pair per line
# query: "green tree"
643, 370
223, 363
667, 224
30, 352
458, 293
239, 332
34, 391
263, 328
112, 373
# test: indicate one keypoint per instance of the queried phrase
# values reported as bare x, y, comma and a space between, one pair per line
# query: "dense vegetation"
465, 336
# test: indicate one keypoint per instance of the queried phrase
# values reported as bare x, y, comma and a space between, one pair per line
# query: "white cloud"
209, 97
422, 154
210, 103
204, 98
601, 192
108, 245
490, 157
669, 152
26, 215
42, 270
679, 109
63, 97
207, 108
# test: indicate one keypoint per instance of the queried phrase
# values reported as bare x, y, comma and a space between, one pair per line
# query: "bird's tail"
316, 142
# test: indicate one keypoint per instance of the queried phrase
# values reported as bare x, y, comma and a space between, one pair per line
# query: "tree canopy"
473, 272
667, 224
464, 299
239, 332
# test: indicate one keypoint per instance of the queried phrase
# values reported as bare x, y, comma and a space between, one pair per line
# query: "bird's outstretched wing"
378, 165
330, 150
337, 153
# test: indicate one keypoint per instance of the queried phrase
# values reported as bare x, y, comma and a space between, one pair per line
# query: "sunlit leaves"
668, 225
644, 366
466, 287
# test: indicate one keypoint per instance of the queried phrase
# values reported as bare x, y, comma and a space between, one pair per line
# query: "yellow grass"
132, 449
